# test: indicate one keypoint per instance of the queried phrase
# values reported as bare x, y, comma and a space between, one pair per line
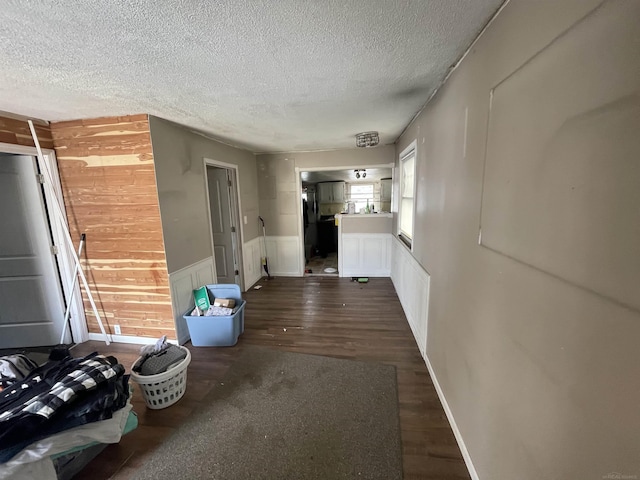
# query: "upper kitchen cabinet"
338, 192
385, 190
325, 192
331, 192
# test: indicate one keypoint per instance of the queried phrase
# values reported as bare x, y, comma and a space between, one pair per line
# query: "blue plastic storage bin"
217, 331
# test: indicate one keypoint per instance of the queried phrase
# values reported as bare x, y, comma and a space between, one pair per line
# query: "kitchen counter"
364, 215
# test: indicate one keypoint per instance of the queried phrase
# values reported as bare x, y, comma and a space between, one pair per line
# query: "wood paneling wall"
16, 131
108, 181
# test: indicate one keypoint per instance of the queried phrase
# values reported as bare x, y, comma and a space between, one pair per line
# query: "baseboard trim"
98, 337
283, 274
249, 287
452, 422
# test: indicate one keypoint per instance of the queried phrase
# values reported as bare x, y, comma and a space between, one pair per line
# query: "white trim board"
452, 421
127, 339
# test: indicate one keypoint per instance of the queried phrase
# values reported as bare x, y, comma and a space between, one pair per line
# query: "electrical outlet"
116, 328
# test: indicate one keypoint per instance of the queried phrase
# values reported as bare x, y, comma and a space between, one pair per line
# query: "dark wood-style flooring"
317, 315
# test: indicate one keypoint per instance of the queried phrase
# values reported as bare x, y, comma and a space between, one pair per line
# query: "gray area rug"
280, 415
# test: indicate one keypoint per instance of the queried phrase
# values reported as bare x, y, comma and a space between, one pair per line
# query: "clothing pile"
62, 395
158, 358
14, 368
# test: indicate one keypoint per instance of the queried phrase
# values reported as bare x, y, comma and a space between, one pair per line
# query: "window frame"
410, 151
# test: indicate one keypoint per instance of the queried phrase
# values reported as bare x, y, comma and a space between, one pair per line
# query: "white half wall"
182, 283
98, 337
365, 255
284, 256
252, 262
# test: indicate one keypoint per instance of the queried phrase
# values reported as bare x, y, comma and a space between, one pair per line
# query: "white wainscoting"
252, 259
285, 256
98, 337
412, 286
365, 255
182, 283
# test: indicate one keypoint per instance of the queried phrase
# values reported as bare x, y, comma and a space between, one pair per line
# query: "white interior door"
31, 306
221, 224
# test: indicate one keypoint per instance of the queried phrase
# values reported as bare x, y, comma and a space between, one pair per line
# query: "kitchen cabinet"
331, 192
338, 192
385, 190
324, 192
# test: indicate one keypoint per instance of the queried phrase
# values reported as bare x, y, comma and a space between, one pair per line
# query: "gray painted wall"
366, 224
277, 180
178, 156
533, 334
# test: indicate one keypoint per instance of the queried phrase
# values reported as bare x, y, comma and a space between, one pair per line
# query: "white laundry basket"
166, 388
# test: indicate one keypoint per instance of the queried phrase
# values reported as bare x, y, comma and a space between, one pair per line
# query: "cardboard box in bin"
219, 330
224, 302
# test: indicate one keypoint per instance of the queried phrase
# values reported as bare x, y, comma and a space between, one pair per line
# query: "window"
360, 194
407, 193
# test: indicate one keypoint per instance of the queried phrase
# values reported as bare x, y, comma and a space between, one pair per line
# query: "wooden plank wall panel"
16, 131
108, 180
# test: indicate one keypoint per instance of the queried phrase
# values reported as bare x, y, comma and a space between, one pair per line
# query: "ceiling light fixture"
367, 139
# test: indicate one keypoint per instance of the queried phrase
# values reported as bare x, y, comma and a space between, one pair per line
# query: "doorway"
328, 191
31, 301
224, 216
320, 233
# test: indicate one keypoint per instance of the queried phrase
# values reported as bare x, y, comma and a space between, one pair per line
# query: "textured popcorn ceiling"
270, 75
